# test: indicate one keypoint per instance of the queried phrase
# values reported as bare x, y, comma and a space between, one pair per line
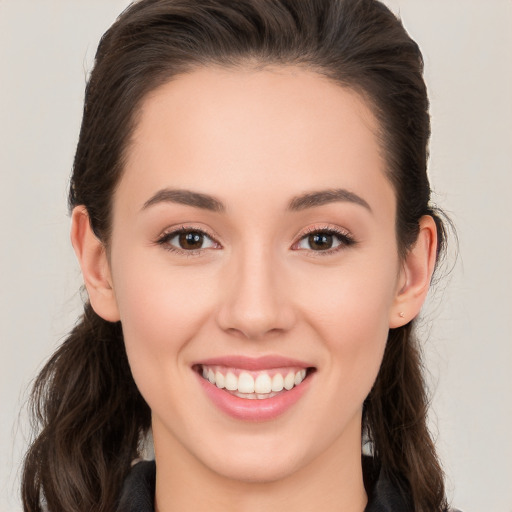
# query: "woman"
250, 209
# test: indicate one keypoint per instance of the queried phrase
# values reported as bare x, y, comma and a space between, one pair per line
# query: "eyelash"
345, 240
344, 237
166, 237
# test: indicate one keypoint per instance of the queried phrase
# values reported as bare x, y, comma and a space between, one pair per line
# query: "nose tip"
253, 323
256, 306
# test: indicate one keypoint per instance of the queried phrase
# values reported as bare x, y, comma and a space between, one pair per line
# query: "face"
254, 243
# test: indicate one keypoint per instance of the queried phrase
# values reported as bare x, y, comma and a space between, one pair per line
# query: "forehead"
216, 129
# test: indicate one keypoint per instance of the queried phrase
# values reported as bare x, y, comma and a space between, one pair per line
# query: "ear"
415, 275
92, 256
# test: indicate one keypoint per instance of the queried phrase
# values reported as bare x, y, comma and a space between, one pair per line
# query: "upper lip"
253, 363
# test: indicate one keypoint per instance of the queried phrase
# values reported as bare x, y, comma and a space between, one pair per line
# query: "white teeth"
277, 382
289, 381
263, 384
219, 380
254, 396
299, 377
231, 382
245, 383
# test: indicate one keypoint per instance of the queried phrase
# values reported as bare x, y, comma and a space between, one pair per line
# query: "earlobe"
416, 274
93, 260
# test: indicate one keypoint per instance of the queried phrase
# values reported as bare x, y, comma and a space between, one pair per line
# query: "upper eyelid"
163, 240
176, 230
324, 228
344, 236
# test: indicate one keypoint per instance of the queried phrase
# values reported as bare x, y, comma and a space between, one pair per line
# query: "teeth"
246, 386
277, 382
245, 383
254, 396
219, 380
231, 382
289, 381
263, 384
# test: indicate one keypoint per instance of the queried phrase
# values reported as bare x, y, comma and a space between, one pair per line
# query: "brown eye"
191, 240
187, 240
320, 241
327, 241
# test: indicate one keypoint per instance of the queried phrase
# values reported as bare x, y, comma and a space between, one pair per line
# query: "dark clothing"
138, 492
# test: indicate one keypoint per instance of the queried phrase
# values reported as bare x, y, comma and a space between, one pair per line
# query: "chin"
250, 457
256, 471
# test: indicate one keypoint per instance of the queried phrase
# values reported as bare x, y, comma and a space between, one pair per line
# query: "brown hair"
92, 418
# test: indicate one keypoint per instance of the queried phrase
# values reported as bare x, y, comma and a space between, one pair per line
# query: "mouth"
251, 389
254, 385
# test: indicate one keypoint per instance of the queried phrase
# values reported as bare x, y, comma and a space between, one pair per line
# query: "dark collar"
138, 492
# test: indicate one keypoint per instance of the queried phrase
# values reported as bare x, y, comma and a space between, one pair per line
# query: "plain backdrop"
46, 51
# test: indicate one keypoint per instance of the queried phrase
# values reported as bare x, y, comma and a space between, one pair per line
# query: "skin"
254, 140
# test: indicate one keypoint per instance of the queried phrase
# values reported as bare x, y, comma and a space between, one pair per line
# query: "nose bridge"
256, 300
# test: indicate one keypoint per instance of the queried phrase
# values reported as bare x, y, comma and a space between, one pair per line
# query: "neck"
331, 482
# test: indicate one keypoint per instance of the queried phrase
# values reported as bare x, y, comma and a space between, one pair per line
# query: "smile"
254, 385
254, 390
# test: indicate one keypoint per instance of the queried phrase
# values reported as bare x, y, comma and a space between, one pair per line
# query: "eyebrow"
298, 203
322, 197
186, 197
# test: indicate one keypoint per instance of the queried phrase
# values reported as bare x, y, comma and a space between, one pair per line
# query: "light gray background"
46, 49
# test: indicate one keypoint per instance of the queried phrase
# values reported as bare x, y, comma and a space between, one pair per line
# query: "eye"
187, 240
324, 240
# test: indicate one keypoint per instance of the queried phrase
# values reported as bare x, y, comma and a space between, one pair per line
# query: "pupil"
191, 240
320, 241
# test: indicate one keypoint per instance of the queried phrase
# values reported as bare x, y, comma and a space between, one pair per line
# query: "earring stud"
401, 314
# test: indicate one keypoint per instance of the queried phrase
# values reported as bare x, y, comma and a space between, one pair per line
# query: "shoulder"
138, 493
385, 494
138, 490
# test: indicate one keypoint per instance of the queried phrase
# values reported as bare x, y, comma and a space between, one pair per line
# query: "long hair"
91, 417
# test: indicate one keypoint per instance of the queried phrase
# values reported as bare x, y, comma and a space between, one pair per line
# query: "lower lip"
254, 410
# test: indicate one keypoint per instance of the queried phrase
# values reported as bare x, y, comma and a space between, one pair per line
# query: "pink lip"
253, 364
254, 410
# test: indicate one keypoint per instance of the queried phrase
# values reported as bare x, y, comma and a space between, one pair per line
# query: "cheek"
350, 301
161, 311
350, 311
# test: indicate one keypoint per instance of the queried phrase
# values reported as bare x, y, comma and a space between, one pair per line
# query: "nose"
256, 300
